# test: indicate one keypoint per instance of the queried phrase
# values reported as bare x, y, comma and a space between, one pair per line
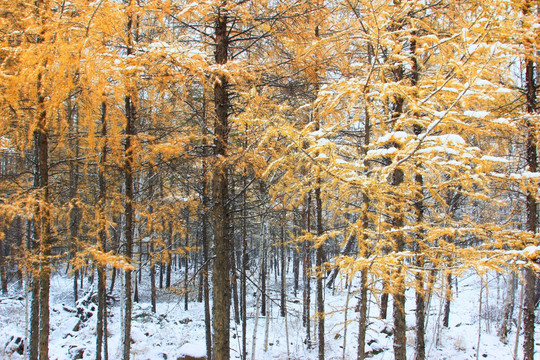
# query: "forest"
270, 179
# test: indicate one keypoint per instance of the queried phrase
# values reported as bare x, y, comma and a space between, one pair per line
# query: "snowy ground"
173, 331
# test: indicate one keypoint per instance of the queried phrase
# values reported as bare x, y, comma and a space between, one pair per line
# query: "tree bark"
532, 216
283, 295
206, 243
321, 273
102, 234
130, 115
129, 224
448, 300
169, 258
42, 221
221, 214
383, 313
508, 313
362, 315
400, 329
306, 314
186, 265
243, 282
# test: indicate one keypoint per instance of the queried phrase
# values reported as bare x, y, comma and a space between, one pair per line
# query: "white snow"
531, 250
525, 175
495, 159
446, 139
398, 136
476, 114
173, 332
197, 350
482, 82
381, 152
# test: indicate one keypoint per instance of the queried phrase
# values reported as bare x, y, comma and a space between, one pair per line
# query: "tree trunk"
3, 270
234, 285
283, 295
153, 293
130, 114
264, 265
508, 313
383, 313
33, 280
296, 266
532, 216
400, 328
206, 242
186, 266
74, 213
420, 345
129, 226
320, 273
221, 214
447, 301
420, 313
169, 258
307, 275
102, 234
42, 223
362, 316
243, 279
363, 248
151, 246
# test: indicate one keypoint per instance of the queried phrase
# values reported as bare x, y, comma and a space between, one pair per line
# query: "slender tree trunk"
45, 269
383, 314
264, 265
151, 245
400, 329
153, 293
283, 295
321, 274
420, 313
102, 234
186, 265
363, 247
3, 270
206, 242
221, 214
296, 261
42, 221
362, 316
169, 258
128, 230
532, 216
508, 313
447, 300
33, 336
234, 285
130, 114
420, 345
307, 274
74, 213
161, 267
243, 282
206, 293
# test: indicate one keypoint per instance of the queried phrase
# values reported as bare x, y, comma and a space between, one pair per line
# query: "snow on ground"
173, 331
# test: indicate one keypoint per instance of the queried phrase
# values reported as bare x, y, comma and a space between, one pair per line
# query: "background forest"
335, 174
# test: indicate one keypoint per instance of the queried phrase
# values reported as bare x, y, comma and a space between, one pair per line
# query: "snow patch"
395, 136
195, 350
495, 159
476, 114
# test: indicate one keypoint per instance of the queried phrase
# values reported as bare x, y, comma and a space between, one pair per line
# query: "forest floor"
173, 331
